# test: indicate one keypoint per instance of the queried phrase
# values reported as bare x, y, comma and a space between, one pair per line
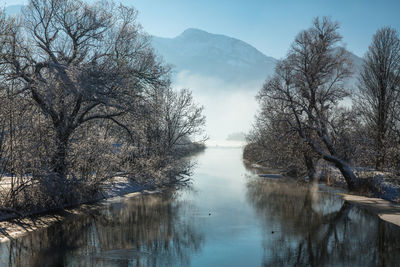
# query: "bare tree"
308, 84
84, 98
183, 119
168, 125
379, 85
273, 142
80, 63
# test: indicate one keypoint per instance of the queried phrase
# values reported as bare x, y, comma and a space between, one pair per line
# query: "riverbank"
14, 223
380, 193
15, 226
384, 209
371, 183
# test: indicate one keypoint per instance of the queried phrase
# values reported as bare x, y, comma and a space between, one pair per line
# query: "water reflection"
144, 231
230, 218
305, 226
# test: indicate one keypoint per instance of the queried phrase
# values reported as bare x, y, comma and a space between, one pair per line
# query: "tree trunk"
380, 161
310, 167
380, 150
342, 165
347, 173
59, 159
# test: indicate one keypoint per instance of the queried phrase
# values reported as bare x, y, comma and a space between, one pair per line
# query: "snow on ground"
384, 209
119, 187
382, 184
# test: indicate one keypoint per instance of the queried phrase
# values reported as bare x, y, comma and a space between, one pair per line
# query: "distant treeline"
84, 98
310, 112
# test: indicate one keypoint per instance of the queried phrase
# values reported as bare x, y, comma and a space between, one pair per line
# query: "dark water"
230, 217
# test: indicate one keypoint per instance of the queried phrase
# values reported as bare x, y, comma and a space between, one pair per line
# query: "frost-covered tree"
83, 81
273, 134
78, 63
181, 119
308, 85
379, 86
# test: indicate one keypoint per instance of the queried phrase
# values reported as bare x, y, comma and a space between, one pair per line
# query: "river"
227, 217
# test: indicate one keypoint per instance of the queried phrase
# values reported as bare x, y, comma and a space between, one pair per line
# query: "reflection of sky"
243, 216
252, 221
232, 233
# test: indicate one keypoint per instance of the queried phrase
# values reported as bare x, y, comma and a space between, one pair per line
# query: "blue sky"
269, 25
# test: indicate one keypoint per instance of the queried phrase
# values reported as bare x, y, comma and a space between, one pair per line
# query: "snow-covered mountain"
215, 55
198, 52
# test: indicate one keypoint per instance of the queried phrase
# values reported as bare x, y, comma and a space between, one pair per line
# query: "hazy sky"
269, 25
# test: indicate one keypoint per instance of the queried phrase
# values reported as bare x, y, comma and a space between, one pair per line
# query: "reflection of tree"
147, 230
311, 229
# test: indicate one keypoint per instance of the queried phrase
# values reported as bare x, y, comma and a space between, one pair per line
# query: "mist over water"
229, 107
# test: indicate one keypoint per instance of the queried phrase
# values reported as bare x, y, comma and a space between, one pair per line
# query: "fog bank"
229, 107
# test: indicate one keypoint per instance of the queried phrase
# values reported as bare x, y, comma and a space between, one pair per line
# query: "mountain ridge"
216, 55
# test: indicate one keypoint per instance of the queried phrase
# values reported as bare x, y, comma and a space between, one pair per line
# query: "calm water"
229, 217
